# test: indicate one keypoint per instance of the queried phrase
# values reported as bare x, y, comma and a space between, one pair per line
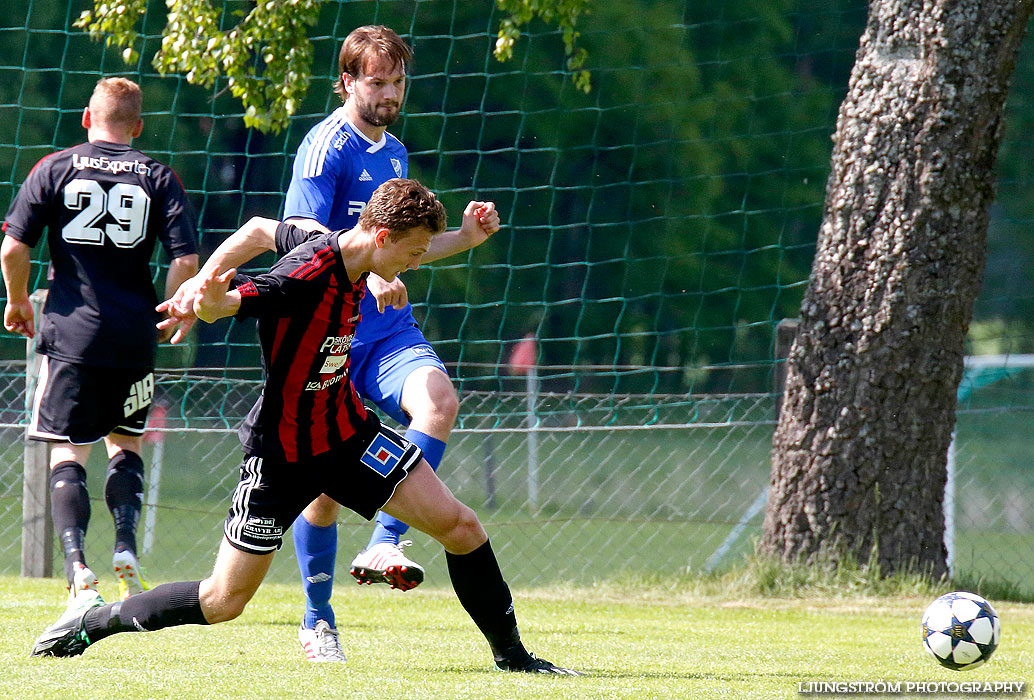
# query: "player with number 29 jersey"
104, 205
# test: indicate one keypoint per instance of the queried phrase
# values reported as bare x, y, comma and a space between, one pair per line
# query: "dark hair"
362, 45
402, 206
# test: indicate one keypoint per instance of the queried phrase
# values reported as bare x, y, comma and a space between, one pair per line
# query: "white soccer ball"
961, 630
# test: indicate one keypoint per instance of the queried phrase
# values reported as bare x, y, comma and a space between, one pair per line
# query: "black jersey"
307, 311
104, 205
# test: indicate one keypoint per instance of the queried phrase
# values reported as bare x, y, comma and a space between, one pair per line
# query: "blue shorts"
379, 369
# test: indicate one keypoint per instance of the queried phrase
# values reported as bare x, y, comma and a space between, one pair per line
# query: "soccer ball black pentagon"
961, 630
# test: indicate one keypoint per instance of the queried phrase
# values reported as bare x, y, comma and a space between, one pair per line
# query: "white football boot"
130, 578
83, 581
321, 644
385, 563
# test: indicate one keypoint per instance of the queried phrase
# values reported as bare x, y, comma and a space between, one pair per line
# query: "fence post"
37, 528
489, 468
524, 360
949, 508
786, 330
533, 438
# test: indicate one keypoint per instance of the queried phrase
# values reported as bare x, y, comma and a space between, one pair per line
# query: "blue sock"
389, 529
316, 550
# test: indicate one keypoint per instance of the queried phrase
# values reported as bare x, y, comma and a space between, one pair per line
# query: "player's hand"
480, 221
19, 318
392, 293
182, 300
165, 333
208, 301
179, 311
174, 327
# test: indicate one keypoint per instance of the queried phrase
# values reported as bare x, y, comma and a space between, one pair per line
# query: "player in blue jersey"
340, 162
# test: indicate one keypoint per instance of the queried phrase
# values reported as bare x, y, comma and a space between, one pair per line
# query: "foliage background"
665, 220
657, 229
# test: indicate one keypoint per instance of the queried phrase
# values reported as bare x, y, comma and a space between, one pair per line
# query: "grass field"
633, 640
612, 509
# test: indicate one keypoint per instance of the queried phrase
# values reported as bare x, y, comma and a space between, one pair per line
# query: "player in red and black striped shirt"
309, 433
308, 406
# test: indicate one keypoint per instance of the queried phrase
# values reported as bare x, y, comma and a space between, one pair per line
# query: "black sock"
167, 605
485, 596
70, 512
124, 494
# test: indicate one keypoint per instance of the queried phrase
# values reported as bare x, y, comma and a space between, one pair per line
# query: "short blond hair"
116, 102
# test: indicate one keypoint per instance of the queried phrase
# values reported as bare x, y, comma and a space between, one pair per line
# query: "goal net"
656, 230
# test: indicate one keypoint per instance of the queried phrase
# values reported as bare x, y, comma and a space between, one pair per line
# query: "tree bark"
859, 454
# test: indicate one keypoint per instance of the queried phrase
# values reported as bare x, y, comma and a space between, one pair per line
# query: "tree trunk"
859, 454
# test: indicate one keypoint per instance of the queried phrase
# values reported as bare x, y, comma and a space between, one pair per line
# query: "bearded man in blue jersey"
339, 164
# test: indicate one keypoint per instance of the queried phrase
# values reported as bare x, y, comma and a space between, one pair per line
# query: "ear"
380, 236
87, 119
138, 129
348, 82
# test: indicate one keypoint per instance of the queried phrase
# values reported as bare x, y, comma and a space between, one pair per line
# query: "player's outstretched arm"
252, 239
214, 299
480, 222
16, 261
180, 270
306, 224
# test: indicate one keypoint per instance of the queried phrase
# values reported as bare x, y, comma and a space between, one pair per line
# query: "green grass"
688, 638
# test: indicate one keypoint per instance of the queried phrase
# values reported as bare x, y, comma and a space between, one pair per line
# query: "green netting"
656, 231
655, 228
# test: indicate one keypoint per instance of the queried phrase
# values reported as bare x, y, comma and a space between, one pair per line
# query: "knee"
222, 609
116, 443
429, 398
219, 605
445, 404
127, 464
322, 512
465, 532
67, 474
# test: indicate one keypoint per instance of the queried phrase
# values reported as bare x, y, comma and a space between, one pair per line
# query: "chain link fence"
991, 483
572, 487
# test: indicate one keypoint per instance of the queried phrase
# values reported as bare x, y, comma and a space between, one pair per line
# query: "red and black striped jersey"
307, 310
104, 206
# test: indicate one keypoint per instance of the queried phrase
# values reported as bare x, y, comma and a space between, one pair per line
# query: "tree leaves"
266, 58
564, 13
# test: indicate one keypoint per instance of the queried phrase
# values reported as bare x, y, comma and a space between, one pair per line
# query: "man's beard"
369, 114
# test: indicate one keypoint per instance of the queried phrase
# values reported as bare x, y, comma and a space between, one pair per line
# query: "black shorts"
81, 403
361, 475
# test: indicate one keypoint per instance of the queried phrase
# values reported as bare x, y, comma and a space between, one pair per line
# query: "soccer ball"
961, 630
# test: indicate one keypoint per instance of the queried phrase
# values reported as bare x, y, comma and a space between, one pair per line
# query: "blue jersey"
336, 170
